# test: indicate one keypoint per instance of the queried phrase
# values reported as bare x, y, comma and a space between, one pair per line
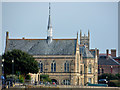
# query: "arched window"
66, 82
66, 67
41, 66
102, 70
81, 70
98, 70
53, 66
89, 68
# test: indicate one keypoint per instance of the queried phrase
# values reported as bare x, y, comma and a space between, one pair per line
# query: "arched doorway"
54, 80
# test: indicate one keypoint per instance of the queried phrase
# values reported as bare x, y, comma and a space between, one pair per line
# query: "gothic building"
64, 60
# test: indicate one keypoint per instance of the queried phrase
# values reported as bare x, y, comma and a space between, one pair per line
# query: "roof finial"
77, 38
88, 33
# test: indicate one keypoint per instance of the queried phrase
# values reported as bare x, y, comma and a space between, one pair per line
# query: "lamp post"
12, 67
3, 72
111, 68
3, 67
106, 79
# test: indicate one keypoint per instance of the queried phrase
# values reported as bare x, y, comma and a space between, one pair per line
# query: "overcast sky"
30, 20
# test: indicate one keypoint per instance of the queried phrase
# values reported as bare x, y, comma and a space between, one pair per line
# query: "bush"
21, 78
117, 75
11, 77
45, 78
108, 76
28, 77
114, 83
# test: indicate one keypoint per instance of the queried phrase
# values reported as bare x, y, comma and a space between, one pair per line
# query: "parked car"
103, 81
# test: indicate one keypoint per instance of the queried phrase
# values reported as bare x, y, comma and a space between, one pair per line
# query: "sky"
30, 19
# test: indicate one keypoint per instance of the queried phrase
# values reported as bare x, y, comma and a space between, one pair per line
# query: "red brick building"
107, 63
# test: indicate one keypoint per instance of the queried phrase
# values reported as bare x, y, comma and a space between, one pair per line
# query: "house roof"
41, 46
85, 52
102, 60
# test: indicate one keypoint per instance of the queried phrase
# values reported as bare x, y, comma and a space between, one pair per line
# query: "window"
66, 82
53, 66
66, 67
89, 69
89, 80
78, 62
41, 66
81, 70
98, 70
102, 70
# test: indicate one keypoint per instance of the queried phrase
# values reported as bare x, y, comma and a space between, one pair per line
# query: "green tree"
108, 76
23, 62
45, 78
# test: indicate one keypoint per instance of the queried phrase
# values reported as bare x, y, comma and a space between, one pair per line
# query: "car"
103, 81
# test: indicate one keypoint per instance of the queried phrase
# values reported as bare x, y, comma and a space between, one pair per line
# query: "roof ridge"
42, 39
115, 61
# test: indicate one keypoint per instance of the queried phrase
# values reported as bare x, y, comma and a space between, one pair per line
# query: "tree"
23, 62
108, 76
45, 78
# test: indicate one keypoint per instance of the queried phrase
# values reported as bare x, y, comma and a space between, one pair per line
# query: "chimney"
113, 52
23, 37
107, 53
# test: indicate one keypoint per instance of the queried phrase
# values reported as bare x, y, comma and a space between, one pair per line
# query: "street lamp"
3, 72
12, 67
111, 68
3, 67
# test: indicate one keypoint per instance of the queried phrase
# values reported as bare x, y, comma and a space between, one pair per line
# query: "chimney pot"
113, 52
107, 53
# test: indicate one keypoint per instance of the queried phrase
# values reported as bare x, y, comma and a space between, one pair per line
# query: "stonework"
65, 60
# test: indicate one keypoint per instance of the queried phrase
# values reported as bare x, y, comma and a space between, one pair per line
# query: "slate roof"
93, 53
85, 52
41, 46
102, 60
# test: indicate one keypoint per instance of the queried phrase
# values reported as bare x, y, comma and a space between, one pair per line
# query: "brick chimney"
113, 52
107, 53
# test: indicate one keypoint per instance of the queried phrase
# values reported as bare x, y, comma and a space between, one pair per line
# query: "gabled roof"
41, 46
85, 52
102, 60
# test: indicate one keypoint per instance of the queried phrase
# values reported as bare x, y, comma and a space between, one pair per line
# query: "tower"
49, 28
85, 39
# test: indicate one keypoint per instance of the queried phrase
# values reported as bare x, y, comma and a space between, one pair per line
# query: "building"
64, 60
117, 59
107, 63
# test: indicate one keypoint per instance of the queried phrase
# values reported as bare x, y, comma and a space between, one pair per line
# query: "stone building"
64, 60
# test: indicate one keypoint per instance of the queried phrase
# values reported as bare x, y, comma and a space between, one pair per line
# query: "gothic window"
53, 66
78, 62
89, 80
102, 70
98, 70
66, 67
81, 70
89, 68
41, 66
66, 82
